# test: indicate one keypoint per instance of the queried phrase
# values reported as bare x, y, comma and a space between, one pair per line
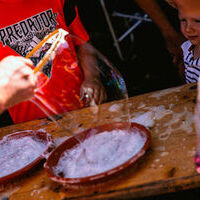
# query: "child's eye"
197, 20
182, 20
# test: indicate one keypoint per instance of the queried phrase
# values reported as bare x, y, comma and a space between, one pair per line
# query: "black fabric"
5, 119
69, 11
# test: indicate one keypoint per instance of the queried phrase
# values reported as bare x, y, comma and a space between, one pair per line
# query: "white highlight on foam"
100, 153
161, 93
184, 120
185, 124
146, 119
115, 107
58, 141
17, 153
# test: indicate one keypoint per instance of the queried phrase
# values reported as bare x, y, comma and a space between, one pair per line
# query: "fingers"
25, 60
25, 73
16, 65
103, 96
19, 79
100, 95
96, 96
87, 96
10, 60
92, 96
93, 92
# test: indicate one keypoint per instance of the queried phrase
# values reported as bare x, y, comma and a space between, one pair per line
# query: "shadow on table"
192, 194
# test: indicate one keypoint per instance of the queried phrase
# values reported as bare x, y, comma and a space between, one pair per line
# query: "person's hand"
92, 92
17, 81
173, 42
181, 69
177, 59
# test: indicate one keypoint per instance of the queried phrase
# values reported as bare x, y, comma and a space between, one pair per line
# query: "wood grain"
168, 166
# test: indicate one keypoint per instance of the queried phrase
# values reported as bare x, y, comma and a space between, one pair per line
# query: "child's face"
189, 15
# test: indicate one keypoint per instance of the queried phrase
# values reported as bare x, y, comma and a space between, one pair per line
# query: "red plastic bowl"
37, 135
55, 155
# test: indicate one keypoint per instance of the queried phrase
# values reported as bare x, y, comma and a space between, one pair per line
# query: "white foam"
159, 112
60, 140
161, 93
115, 107
164, 154
100, 153
156, 113
146, 119
160, 148
185, 125
141, 105
16, 154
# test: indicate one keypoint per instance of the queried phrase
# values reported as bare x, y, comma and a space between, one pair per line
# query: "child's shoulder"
186, 45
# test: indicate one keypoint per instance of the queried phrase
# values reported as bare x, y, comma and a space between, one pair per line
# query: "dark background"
147, 65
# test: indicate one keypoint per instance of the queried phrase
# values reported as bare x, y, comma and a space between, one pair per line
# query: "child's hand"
92, 92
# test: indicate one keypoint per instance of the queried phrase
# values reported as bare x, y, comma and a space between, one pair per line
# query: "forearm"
88, 62
92, 89
154, 11
3, 98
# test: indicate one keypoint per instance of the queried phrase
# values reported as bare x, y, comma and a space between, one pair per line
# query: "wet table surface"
168, 165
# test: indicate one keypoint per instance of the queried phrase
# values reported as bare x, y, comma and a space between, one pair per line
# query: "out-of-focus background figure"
189, 15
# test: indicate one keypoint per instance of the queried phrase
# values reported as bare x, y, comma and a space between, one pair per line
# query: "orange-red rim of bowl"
42, 135
103, 175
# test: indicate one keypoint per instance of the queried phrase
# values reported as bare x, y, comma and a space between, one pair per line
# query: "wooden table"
168, 166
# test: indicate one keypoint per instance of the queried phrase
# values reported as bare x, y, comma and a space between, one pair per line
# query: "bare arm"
152, 8
173, 39
92, 82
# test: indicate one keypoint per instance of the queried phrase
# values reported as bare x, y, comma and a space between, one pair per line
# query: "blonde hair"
172, 3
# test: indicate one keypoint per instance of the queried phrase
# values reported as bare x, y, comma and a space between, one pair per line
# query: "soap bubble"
60, 79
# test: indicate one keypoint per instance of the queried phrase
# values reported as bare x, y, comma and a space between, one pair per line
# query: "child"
189, 15
23, 24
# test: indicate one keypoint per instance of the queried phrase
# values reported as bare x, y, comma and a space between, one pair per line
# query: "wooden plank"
168, 166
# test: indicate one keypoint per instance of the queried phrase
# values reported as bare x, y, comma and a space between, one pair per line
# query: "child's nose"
189, 27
